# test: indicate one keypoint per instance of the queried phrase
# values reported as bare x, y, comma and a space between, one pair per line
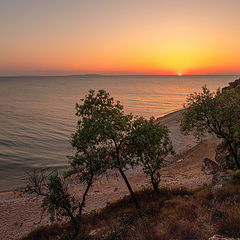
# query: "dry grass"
177, 214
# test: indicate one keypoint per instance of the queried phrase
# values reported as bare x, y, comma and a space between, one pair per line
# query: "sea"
37, 114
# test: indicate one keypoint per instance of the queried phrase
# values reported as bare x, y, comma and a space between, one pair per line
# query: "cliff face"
233, 85
223, 158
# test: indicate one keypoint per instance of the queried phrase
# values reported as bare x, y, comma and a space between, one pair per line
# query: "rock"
209, 166
180, 160
233, 85
218, 237
186, 196
216, 189
115, 189
94, 232
223, 158
218, 180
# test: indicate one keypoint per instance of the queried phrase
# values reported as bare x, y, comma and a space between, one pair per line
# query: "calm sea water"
37, 114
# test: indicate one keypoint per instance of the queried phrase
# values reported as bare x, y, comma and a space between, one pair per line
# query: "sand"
20, 214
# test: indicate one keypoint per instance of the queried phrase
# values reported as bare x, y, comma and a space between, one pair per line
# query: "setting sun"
202, 38
89, 88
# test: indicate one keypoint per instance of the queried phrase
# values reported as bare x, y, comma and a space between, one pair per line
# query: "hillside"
184, 170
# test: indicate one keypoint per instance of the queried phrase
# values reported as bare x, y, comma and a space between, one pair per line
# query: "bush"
215, 113
229, 224
218, 214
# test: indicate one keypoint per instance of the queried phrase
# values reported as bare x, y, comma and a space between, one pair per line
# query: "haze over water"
38, 113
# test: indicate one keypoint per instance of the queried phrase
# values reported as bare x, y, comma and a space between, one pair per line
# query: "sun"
179, 74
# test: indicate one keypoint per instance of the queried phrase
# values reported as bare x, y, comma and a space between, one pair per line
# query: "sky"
58, 37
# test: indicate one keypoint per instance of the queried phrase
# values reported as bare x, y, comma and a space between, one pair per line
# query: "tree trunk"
155, 184
76, 228
234, 154
84, 197
74, 223
129, 188
237, 162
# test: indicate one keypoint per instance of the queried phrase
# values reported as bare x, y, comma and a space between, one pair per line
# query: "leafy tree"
215, 113
86, 165
56, 198
110, 128
151, 142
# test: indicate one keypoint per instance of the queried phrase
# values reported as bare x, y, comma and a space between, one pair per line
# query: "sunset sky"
54, 37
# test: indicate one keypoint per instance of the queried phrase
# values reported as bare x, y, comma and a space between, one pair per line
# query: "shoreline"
9, 192
170, 116
183, 170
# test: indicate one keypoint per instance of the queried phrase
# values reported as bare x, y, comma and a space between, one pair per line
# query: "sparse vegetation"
56, 198
215, 113
169, 214
151, 143
107, 138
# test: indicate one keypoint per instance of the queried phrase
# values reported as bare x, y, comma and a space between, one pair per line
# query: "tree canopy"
105, 124
151, 142
215, 113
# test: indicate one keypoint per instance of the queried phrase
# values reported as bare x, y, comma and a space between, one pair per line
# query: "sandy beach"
20, 214
64, 61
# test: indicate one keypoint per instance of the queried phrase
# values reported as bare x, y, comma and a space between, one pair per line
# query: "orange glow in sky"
119, 37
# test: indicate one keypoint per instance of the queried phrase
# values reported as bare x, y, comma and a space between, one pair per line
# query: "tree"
56, 198
88, 162
215, 113
151, 143
110, 128
86, 165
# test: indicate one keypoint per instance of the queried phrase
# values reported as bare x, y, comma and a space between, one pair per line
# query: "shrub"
215, 113
218, 214
151, 143
229, 224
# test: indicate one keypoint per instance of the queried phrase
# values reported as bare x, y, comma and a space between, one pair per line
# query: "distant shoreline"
113, 75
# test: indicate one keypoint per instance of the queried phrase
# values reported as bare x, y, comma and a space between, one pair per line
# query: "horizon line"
112, 75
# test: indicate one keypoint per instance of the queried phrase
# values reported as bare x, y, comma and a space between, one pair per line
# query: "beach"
21, 213
38, 113
82, 84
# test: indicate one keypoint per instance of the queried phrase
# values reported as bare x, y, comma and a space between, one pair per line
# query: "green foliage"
215, 113
104, 123
88, 161
104, 127
229, 225
167, 214
87, 165
218, 214
151, 142
58, 201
